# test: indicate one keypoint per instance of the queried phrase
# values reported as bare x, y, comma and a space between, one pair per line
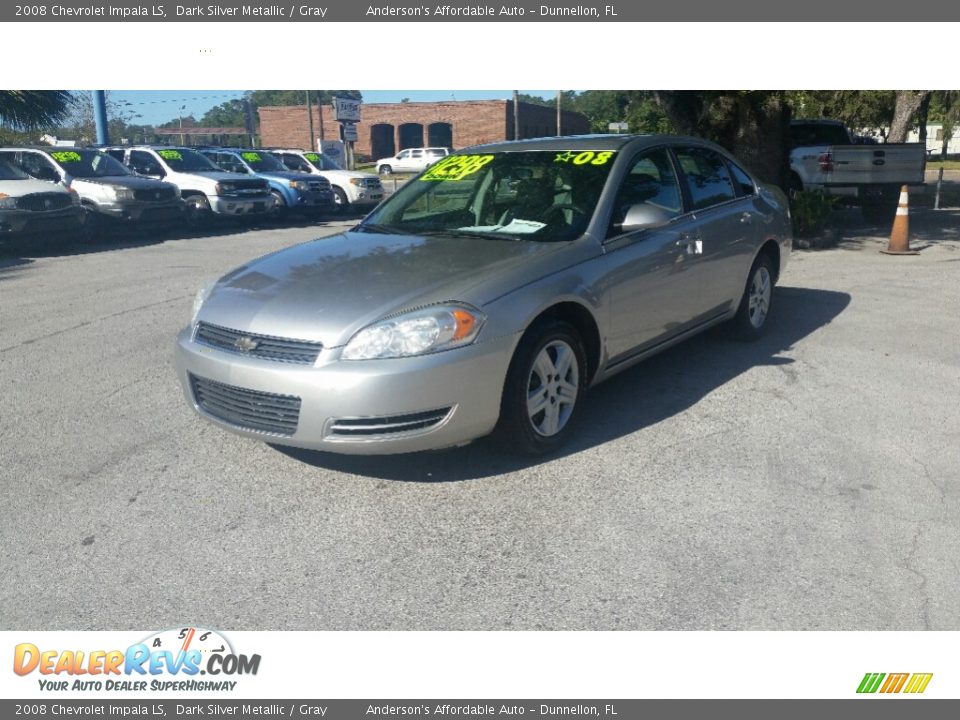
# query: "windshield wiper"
382, 229
472, 234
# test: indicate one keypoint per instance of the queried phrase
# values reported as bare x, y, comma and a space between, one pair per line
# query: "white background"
466, 56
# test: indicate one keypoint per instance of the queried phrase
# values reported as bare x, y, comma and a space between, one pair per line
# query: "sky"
157, 106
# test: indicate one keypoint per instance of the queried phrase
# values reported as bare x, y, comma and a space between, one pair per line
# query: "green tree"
33, 109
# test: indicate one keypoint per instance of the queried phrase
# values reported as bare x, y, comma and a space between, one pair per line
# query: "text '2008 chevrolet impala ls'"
487, 294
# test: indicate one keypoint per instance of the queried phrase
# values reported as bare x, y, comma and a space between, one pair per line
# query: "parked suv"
350, 188
106, 188
205, 188
28, 205
411, 160
291, 190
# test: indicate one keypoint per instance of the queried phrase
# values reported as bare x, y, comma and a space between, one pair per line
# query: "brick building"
387, 128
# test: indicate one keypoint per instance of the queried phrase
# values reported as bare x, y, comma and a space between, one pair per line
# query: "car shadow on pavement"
648, 393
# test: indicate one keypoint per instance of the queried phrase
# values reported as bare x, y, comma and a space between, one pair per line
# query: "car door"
727, 223
651, 278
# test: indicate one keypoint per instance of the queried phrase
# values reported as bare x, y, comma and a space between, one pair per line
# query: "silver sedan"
487, 295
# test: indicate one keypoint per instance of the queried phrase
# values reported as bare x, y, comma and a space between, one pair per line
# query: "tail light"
826, 162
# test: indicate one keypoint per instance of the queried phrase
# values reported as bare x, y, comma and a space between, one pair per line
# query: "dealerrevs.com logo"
168, 660
914, 683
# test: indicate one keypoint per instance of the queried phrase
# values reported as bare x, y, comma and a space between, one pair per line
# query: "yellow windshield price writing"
585, 157
250, 156
456, 167
66, 157
170, 154
312, 157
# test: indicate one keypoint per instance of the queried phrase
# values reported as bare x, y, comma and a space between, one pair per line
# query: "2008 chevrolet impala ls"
487, 294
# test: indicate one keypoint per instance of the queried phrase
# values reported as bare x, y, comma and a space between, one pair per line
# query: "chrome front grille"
247, 409
43, 201
267, 347
388, 425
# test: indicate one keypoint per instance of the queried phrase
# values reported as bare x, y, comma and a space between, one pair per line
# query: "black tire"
753, 314
280, 210
528, 431
385, 170
340, 203
198, 210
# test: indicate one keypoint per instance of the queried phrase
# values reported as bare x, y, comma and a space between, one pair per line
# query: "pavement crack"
910, 563
120, 313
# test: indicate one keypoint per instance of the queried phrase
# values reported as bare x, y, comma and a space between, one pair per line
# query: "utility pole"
311, 144
100, 116
559, 96
182, 108
320, 113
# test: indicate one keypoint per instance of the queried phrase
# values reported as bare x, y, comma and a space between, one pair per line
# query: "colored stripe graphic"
894, 682
918, 683
870, 682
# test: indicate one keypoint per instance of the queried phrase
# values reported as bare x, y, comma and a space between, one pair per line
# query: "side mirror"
643, 216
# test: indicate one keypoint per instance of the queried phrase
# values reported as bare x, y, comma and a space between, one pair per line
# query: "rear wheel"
750, 322
543, 390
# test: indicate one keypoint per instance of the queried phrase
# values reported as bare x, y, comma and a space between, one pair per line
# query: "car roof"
590, 142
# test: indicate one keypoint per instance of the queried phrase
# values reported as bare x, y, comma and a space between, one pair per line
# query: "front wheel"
198, 210
544, 387
340, 202
751, 319
385, 170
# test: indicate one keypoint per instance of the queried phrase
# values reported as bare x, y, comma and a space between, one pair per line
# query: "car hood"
127, 181
19, 188
347, 175
328, 289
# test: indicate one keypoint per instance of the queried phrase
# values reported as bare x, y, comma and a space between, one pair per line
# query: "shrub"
810, 212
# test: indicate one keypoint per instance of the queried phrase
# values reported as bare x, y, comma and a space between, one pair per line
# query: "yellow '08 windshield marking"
582, 158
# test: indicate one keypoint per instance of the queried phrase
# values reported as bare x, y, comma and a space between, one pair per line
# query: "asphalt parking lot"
806, 481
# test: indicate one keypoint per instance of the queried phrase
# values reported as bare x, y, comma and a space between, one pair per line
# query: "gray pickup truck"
825, 158
107, 190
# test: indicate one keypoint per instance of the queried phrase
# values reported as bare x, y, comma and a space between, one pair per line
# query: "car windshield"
536, 195
9, 172
88, 163
185, 160
321, 162
261, 162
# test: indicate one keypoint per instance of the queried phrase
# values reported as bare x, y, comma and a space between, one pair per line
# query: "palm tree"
32, 109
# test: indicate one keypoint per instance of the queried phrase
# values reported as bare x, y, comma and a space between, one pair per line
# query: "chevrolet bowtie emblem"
245, 344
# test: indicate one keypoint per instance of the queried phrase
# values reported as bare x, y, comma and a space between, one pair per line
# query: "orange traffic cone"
900, 234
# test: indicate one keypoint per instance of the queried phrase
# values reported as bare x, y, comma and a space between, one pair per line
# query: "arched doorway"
411, 135
381, 141
440, 134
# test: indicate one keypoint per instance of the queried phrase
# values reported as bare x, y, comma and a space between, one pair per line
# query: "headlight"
299, 185
358, 181
74, 196
199, 300
418, 332
123, 193
7, 202
223, 188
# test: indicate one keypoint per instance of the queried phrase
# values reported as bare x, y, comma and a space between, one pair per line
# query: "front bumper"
135, 211
466, 383
25, 221
321, 200
255, 205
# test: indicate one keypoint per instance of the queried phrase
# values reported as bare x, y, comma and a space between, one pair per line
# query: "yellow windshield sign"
170, 154
250, 156
583, 158
66, 156
456, 167
312, 157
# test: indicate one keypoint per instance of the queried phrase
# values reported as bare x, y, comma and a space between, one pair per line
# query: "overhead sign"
346, 109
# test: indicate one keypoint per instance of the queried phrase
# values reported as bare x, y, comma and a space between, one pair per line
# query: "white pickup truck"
824, 157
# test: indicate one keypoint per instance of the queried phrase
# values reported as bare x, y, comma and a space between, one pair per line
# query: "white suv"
411, 160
